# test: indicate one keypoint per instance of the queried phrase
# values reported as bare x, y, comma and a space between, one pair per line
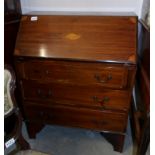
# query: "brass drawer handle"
42, 95
99, 79
101, 101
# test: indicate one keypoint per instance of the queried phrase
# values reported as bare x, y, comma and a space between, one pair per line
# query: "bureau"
77, 71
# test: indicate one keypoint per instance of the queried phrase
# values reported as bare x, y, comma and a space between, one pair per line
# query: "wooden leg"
117, 140
24, 145
33, 128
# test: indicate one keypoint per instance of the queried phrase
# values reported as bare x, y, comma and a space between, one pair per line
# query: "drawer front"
83, 118
82, 96
79, 73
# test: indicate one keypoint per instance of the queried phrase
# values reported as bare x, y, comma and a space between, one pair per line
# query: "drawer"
77, 117
79, 73
53, 94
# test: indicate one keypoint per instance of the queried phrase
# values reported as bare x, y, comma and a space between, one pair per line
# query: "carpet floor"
56, 140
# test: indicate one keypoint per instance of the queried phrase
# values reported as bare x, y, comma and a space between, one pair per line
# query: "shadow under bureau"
77, 71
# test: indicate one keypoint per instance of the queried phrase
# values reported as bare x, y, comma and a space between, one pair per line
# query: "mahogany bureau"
77, 71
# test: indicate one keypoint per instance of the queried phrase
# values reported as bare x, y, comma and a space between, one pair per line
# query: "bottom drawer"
77, 117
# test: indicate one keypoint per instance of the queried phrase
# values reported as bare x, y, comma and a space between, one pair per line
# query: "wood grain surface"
74, 117
101, 38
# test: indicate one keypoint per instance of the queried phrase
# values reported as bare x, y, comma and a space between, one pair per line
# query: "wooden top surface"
91, 38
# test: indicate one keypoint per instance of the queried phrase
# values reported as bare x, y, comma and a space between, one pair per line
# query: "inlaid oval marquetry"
72, 36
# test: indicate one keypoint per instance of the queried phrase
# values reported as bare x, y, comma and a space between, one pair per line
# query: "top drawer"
78, 73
